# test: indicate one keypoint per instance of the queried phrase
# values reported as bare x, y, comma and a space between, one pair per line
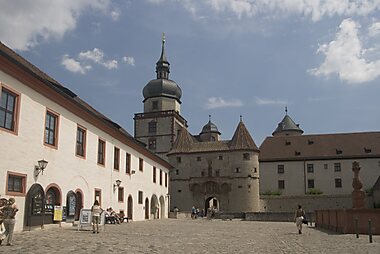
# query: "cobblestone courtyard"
190, 236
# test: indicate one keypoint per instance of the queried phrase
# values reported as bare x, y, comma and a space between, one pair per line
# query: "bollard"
370, 231
356, 228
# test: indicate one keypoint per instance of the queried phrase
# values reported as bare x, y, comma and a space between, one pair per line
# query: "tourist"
9, 215
3, 202
96, 211
299, 217
193, 212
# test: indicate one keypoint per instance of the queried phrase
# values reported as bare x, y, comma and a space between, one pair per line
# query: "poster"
58, 213
85, 216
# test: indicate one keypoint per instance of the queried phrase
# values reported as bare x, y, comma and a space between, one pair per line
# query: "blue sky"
230, 57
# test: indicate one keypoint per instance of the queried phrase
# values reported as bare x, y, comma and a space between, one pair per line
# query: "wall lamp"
116, 184
40, 168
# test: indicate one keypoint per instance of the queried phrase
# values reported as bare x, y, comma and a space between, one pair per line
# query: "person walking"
299, 216
3, 202
9, 214
96, 211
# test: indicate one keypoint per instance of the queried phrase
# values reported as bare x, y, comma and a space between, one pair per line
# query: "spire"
162, 65
242, 140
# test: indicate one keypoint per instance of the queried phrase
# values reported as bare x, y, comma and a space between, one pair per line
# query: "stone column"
358, 195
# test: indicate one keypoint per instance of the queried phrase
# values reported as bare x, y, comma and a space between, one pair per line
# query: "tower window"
310, 183
246, 156
310, 168
152, 144
179, 159
280, 169
152, 128
237, 170
338, 183
281, 184
220, 157
155, 105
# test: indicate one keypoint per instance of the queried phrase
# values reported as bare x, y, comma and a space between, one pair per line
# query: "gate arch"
147, 208
34, 206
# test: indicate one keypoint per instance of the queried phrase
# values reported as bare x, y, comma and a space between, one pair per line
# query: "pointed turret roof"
183, 143
242, 140
210, 127
287, 124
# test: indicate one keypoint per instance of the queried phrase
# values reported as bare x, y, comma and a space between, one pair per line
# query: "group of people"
8, 210
195, 212
111, 216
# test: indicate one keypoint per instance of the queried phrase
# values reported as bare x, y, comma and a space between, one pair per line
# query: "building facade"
293, 164
88, 156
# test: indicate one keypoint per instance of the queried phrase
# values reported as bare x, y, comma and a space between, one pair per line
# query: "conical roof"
242, 140
183, 142
287, 124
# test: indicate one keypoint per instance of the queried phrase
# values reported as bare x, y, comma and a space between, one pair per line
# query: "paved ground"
190, 236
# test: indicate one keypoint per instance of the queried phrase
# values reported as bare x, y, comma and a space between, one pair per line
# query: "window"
160, 177
51, 128
179, 159
127, 163
116, 158
246, 156
239, 187
220, 157
166, 179
255, 170
199, 158
101, 152
325, 166
98, 195
81, 142
216, 172
281, 184
280, 169
310, 183
338, 183
155, 105
152, 144
202, 173
154, 174
179, 190
8, 109
177, 172
337, 167
120, 194
237, 170
310, 168
16, 184
140, 197
152, 127
141, 164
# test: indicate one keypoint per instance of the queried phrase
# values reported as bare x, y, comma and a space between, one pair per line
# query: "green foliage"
313, 191
271, 193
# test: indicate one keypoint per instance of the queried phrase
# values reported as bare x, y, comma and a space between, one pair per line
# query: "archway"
130, 208
71, 204
53, 197
154, 207
211, 203
34, 206
79, 204
147, 209
162, 205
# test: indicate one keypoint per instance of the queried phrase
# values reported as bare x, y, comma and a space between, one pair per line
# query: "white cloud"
129, 60
316, 9
115, 14
73, 65
97, 56
344, 56
266, 102
24, 24
374, 29
218, 102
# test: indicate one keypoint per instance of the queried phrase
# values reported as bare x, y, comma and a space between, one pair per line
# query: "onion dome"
210, 127
162, 86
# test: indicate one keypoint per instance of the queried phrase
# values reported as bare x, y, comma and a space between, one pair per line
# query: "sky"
320, 58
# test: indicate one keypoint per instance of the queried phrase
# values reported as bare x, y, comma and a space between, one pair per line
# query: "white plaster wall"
20, 154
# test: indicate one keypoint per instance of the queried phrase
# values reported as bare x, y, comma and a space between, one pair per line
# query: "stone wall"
309, 202
276, 216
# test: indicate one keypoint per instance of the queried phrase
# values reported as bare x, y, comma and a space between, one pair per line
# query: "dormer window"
367, 150
152, 128
296, 153
287, 143
338, 151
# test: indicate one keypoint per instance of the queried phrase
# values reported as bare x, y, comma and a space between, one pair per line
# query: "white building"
88, 155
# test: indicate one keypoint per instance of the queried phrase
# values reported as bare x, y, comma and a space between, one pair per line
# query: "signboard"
85, 218
58, 213
63, 213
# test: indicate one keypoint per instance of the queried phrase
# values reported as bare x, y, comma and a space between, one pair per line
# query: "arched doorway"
147, 209
79, 204
52, 198
34, 206
71, 204
211, 203
162, 205
154, 207
130, 208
